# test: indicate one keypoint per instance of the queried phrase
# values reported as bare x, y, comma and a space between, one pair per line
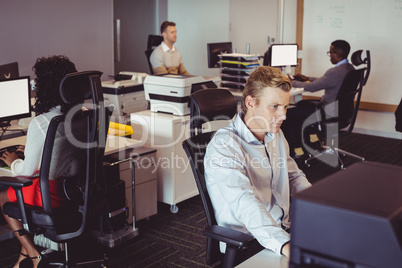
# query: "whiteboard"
374, 25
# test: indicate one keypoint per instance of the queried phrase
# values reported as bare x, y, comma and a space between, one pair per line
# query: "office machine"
352, 218
126, 94
281, 55
214, 50
236, 69
9, 70
170, 93
15, 99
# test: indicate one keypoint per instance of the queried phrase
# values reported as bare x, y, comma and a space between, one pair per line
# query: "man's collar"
246, 133
166, 48
342, 62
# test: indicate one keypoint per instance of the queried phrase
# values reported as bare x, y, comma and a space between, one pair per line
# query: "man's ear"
250, 102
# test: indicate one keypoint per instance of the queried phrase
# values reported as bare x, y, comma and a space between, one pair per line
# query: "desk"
166, 132
265, 258
14, 130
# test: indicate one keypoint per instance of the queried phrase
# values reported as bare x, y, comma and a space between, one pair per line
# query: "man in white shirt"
248, 171
166, 58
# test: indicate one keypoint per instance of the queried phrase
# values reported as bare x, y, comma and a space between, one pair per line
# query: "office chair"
351, 89
357, 61
209, 105
78, 137
153, 41
398, 117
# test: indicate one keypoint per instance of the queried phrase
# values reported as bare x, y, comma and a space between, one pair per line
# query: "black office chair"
343, 123
398, 117
78, 137
357, 61
153, 41
210, 105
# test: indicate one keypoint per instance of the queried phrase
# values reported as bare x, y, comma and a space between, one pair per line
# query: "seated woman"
49, 72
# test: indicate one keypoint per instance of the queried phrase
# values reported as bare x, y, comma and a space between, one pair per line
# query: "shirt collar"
245, 133
166, 48
342, 62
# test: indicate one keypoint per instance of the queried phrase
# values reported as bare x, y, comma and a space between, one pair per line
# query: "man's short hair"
165, 24
342, 48
261, 78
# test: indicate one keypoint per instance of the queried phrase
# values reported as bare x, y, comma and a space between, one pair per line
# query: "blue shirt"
250, 182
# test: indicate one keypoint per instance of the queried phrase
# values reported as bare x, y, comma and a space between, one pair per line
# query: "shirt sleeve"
33, 151
156, 58
316, 84
226, 171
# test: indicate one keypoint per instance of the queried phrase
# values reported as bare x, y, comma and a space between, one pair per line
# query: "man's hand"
300, 77
9, 157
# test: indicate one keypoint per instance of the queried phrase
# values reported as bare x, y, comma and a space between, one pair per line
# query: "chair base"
102, 262
331, 151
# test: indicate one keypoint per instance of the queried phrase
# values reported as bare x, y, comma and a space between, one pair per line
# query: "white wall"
252, 22
81, 30
199, 23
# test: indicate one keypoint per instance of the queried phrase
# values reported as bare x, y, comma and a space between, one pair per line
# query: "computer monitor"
283, 55
352, 218
9, 70
214, 49
15, 99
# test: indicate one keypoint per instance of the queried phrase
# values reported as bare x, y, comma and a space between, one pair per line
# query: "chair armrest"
15, 182
228, 236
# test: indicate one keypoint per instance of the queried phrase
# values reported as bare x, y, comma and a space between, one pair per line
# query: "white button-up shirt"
250, 182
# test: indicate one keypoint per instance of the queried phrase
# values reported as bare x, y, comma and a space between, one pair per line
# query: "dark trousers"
292, 127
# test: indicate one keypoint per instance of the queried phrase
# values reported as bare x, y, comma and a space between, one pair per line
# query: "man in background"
331, 82
166, 58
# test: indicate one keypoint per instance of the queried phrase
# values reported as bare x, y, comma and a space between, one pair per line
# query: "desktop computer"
352, 218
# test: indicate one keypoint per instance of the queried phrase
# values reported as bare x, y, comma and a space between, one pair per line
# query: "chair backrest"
210, 104
153, 41
357, 61
195, 148
207, 105
73, 152
350, 90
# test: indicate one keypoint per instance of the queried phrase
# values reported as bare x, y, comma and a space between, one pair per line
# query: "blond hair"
261, 78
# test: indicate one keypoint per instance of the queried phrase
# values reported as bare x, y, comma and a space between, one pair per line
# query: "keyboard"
12, 148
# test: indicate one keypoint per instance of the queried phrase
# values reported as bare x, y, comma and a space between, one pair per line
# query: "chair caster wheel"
174, 209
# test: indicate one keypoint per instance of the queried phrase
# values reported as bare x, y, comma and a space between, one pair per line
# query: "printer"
126, 94
170, 93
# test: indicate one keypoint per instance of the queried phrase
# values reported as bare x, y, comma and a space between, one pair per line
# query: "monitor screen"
15, 98
214, 49
9, 70
284, 55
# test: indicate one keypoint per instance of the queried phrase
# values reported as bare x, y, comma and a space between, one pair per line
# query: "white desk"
265, 258
166, 132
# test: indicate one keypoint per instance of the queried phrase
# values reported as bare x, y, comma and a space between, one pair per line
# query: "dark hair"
165, 24
49, 72
342, 48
